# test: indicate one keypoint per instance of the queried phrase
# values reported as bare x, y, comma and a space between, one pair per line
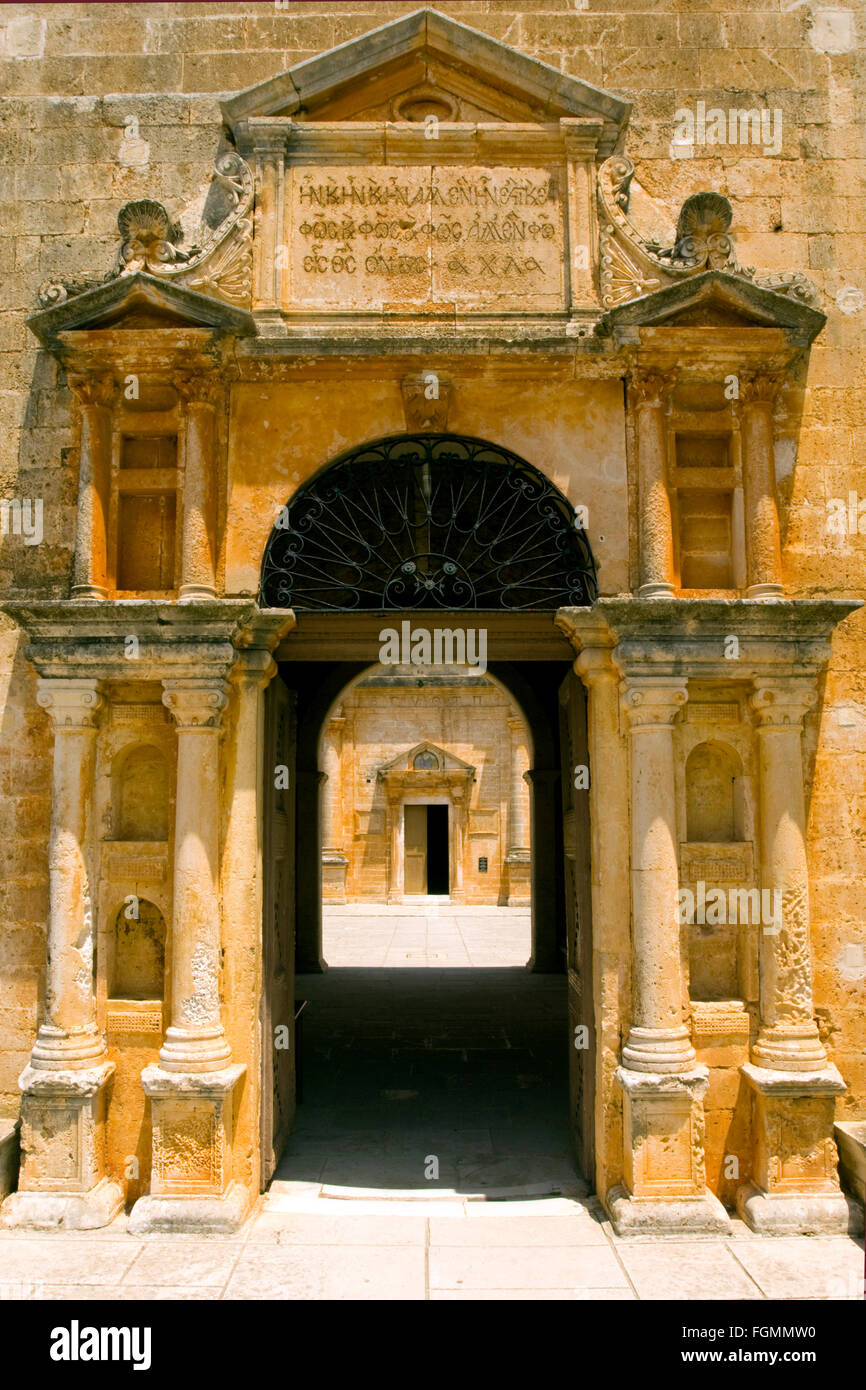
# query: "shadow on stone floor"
402, 1067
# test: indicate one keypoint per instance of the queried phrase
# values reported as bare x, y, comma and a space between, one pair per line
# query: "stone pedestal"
9, 1156
191, 1188
795, 1188
334, 867
665, 1181
851, 1143
62, 1183
518, 867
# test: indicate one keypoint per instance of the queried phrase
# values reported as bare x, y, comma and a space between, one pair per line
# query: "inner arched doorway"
426, 533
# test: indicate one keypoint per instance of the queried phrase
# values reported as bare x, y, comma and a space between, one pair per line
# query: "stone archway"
403, 529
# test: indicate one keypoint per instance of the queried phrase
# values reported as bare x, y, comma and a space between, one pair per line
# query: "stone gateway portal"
441, 489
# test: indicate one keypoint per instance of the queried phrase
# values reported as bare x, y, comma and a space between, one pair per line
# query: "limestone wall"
74, 76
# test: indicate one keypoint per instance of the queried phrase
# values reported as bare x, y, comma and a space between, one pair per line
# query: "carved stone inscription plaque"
376, 237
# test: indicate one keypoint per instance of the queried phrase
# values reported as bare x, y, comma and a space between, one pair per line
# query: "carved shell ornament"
218, 264
702, 241
148, 238
632, 265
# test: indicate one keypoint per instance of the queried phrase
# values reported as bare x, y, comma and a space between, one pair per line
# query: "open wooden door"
278, 927
415, 843
578, 906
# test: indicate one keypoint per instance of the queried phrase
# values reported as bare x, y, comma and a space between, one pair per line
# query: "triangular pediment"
715, 299
445, 761
135, 303
427, 63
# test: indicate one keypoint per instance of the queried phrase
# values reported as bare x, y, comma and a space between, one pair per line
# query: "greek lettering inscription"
427, 236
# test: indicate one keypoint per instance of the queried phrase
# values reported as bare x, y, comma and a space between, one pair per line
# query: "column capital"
195, 704
194, 388
72, 704
99, 389
652, 700
650, 386
780, 704
758, 388
596, 664
254, 669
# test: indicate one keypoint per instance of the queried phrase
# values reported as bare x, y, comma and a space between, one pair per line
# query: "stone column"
191, 1088
244, 887
64, 1087
795, 1187
763, 545
199, 540
543, 795
609, 838
334, 861
90, 565
655, 527
663, 1088
270, 174
658, 1039
195, 1040
518, 858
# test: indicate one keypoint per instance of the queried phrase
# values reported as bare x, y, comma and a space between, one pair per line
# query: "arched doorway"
432, 534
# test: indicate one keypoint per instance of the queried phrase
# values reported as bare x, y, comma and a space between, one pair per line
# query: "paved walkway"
405, 1064
312, 1248
427, 933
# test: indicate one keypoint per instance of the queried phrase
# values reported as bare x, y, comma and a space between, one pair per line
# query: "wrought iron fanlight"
428, 521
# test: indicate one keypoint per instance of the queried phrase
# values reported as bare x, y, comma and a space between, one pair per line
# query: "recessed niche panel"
142, 796
145, 542
705, 540
138, 965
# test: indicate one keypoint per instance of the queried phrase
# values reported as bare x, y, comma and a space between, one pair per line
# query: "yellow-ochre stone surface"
623, 247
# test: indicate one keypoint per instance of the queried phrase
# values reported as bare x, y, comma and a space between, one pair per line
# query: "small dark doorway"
437, 850
426, 848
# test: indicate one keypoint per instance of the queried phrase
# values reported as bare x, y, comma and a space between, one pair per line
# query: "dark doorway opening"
425, 832
437, 850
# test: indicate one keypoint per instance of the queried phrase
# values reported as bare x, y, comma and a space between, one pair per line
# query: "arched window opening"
138, 958
428, 521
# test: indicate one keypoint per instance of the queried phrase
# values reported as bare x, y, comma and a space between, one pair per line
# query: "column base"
678, 1216
657, 589
659, 1051
63, 1211
196, 593
800, 1214
765, 591
187, 1215
81, 592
